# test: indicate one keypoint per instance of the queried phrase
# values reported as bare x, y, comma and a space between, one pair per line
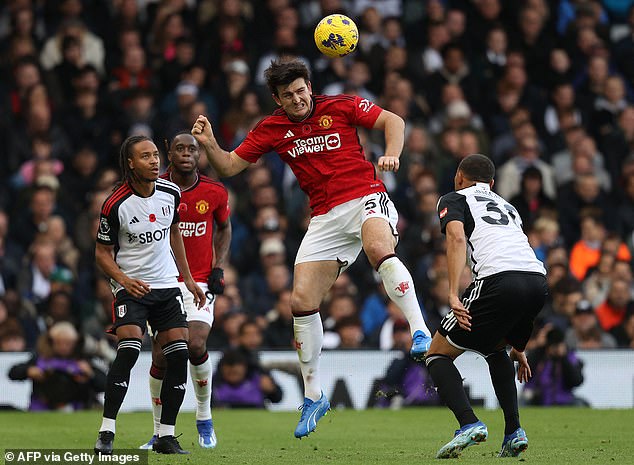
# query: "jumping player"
140, 248
498, 308
317, 137
204, 202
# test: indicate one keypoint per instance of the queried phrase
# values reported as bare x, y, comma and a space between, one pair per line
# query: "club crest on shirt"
325, 121
202, 207
121, 310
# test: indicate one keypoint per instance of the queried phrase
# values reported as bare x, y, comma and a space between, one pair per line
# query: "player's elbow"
395, 122
456, 239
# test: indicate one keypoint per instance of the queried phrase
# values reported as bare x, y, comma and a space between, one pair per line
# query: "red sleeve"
222, 211
364, 113
257, 143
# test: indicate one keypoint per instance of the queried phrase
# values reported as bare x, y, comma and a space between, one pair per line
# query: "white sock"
202, 388
108, 424
166, 430
157, 407
309, 337
399, 286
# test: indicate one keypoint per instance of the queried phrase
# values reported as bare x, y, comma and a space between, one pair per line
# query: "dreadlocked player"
140, 248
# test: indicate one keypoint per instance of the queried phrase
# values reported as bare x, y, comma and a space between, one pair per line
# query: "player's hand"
216, 281
201, 130
389, 163
199, 295
136, 287
460, 312
35, 373
524, 369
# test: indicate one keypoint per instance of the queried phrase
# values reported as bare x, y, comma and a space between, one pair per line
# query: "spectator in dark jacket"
556, 371
63, 379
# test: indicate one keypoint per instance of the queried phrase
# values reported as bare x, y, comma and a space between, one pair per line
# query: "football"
336, 36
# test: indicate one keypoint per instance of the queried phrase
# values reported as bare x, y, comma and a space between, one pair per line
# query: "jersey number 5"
493, 206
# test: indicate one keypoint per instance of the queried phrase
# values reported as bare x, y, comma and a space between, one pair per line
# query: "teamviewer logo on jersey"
191, 229
315, 144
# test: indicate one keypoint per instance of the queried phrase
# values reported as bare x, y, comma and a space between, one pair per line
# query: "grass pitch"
410, 436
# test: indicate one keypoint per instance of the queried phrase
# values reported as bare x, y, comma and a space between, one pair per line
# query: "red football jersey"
323, 150
202, 204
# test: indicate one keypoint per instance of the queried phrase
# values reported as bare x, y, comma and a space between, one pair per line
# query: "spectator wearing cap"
585, 332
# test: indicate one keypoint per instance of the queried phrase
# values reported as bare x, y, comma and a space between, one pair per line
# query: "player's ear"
277, 100
309, 85
491, 183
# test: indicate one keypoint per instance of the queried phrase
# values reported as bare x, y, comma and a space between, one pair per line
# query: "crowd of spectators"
543, 87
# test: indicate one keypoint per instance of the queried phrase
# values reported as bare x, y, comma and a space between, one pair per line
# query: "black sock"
449, 384
175, 380
503, 378
119, 376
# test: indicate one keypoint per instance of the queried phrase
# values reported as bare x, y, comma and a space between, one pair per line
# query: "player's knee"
197, 349
375, 251
431, 359
305, 356
127, 354
299, 301
176, 352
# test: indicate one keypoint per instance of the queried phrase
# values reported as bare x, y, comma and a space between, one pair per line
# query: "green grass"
409, 436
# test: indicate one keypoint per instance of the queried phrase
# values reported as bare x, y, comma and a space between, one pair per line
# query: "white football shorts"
204, 314
336, 235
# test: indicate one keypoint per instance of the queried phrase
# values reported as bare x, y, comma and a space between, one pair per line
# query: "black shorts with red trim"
162, 309
503, 308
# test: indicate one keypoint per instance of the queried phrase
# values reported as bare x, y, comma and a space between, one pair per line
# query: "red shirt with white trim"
200, 205
323, 150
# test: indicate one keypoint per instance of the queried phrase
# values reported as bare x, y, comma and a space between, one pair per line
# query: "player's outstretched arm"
176, 243
394, 128
105, 260
225, 163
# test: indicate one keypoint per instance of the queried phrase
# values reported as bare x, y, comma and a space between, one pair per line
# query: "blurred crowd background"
543, 87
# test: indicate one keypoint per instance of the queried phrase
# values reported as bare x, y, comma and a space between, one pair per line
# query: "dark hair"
477, 167
233, 357
125, 153
283, 72
245, 324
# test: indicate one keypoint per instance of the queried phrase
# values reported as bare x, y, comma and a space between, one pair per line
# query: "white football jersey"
139, 229
495, 239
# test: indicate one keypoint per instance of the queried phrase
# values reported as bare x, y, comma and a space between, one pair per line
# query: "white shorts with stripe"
336, 235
